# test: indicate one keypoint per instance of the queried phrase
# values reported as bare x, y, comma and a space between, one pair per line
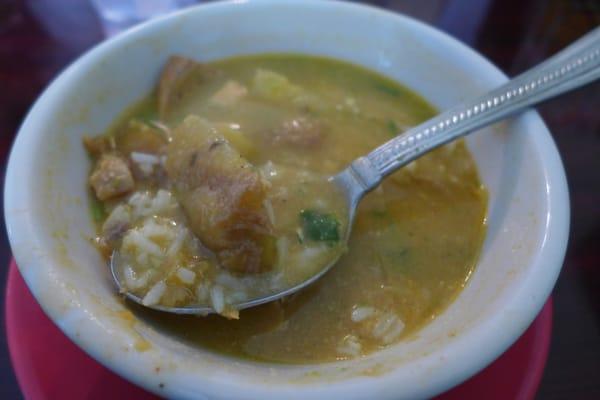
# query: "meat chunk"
111, 177
222, 195
175, 77
301, 132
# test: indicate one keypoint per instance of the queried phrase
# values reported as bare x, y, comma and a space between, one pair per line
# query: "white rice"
145, 162
217, 298
120, 216
144, 204
143, 259
177, 243
140, 201
163, 200
361, 313
151, 229
388, 326
134, 239
383, 325
229, 281
144, 158
350, 346
394, 332
306, 257
186, 276
158, 239
154, 294
133, 280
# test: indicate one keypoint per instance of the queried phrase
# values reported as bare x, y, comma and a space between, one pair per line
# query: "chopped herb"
392, 127
320, 226
388, 89
97, 209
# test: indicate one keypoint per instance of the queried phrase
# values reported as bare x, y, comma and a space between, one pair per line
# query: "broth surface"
415, 240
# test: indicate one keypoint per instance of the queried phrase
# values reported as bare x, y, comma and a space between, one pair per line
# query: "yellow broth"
415, 240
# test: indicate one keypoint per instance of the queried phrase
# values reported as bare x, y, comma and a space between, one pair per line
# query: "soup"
192, 229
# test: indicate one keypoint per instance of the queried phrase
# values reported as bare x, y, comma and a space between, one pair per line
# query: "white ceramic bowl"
49, 225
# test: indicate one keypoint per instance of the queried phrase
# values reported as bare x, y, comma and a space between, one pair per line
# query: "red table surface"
46, 361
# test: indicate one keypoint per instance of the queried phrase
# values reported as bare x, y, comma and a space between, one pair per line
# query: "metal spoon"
571, 68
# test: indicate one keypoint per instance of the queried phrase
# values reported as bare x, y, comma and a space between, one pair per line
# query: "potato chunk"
222, 195
277, 88
111, 177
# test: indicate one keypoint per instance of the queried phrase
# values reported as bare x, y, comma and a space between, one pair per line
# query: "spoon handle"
571, 68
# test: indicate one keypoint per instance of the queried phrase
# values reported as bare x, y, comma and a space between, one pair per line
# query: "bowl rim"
490, 340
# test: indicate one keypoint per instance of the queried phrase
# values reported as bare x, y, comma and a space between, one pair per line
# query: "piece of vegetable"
392, 127
276, 87
97, 210
320, 226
